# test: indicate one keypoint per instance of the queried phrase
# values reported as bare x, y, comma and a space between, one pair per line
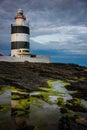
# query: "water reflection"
5, 115
23, 110
21, 124
20, 109
14, 110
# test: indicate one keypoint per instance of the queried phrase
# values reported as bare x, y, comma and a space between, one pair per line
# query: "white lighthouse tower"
20, 36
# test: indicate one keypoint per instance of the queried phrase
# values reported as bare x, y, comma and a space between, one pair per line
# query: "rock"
34, 75
81, 121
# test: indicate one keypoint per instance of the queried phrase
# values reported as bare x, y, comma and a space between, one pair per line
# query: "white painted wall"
20, 22
15, 52
19, 37
38, 59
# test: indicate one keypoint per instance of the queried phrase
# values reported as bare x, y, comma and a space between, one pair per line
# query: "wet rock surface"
80, 87
32, 75
72, 123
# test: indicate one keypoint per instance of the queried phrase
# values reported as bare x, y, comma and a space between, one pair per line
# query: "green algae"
14, 96
60, 102
35, 101
23, 103
75, 102
36, 128
51, 90
45, 92
12, 88
77, 79
4, 107
22, 108
4, 88
50, 82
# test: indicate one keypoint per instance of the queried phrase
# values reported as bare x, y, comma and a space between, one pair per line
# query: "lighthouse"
20, 36
20, 45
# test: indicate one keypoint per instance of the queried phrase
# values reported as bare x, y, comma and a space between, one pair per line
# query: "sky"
58, 28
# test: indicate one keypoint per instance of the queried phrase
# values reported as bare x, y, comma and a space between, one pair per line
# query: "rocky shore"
33, 75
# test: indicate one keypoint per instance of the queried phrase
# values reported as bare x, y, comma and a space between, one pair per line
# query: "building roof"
1, 54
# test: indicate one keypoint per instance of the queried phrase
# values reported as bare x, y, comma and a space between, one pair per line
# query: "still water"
35, 110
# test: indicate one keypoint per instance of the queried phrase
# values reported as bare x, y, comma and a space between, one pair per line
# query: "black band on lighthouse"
20, 29
20, 44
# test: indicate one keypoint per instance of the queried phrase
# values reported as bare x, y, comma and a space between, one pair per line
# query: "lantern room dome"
20, 15
20, 11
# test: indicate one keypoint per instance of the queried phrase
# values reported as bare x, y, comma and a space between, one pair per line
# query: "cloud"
70, 39
45, 39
